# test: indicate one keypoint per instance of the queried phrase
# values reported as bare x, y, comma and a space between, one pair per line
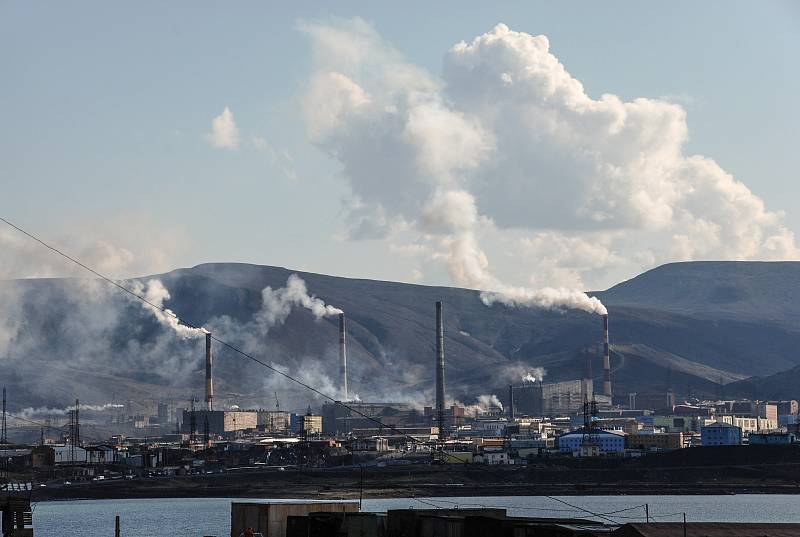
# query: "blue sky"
107, 108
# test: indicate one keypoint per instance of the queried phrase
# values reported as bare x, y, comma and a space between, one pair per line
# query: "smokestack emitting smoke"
440, 369
209, 378
606, 359
343, 357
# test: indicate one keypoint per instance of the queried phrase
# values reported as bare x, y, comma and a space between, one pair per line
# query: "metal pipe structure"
343, 357
209, 378
606, 359
440, 370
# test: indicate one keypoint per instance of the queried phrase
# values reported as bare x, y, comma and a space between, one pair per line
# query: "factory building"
550, 399
641, 440
720, 434
219, 421
307, 424
273, 421
608, 442
341, 419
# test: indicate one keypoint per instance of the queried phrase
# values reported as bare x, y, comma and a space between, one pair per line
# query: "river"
211, 516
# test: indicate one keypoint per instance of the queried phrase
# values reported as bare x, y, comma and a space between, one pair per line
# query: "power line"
233, 348
51, 427
236, 350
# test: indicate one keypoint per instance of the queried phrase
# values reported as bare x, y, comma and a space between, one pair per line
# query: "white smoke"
548, 298
31, 412
514, 372
155, 293
278, 303
506, 148
484, 404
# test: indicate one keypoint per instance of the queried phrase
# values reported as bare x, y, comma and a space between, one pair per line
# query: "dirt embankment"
748, 469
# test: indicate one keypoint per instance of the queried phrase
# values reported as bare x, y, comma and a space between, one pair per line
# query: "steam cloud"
31, 412
278, 303
155, 293
506, 147
521, 371
485, 403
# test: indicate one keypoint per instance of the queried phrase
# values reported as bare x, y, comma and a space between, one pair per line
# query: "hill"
684, 325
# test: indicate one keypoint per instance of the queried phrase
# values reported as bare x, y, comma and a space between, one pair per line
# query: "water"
211, 516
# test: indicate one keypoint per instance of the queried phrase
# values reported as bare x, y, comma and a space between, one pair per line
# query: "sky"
530, 145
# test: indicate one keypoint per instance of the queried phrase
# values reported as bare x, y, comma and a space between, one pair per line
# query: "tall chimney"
209, 378
343, 357
440, 370
510, 403
606, 359
587, 384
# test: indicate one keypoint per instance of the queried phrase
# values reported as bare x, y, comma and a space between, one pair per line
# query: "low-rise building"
608, 442
654, 441
720, 434
774, 437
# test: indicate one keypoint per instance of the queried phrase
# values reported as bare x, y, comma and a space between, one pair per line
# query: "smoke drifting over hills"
505, 146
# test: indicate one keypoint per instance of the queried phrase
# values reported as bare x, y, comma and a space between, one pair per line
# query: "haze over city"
399, 271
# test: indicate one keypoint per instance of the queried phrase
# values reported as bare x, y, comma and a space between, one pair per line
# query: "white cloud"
224, 133
508, 141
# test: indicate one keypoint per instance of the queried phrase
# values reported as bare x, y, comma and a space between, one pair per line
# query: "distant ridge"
685, 324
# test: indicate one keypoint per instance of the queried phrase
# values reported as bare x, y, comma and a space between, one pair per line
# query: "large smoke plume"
506, 149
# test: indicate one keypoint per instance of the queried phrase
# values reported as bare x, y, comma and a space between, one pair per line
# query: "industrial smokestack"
606, 359
510, 402
587, 385
440, 369
343, 357
209, 378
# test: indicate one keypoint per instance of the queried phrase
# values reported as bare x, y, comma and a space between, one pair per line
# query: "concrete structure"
750, 424
220, 421
340, 419
375, 443
270, 519
609, 442
550, 399
309, 424
654, 441
720, 434
787, 408
273, 420
440, 400
606, 359
209, 378
770, 438
343, 357
67, 454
